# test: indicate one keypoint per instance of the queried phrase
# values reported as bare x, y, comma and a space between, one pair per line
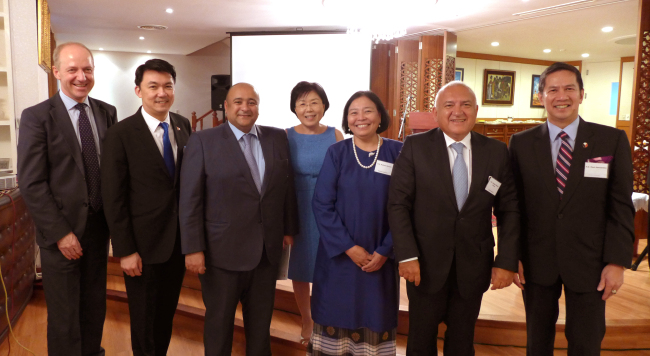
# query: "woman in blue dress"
356, 291
308, 143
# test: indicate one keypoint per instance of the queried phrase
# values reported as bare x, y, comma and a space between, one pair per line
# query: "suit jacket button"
559, 216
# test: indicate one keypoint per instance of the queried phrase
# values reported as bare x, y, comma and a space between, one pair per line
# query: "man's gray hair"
57, 52
451, 84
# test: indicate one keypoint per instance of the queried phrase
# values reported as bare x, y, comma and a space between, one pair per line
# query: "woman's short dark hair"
556, 67
303, 88
158, 65
385, 118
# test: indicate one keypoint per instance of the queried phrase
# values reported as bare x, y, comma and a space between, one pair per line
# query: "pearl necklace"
354, 148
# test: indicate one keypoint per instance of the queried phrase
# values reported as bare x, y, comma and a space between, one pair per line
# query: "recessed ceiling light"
547, 51
142, 37
101, 49
495, 44
148, 51
585, 55
170, 10
607, 29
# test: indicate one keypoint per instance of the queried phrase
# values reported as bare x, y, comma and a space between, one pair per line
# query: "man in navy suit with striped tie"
574, 184
141, 174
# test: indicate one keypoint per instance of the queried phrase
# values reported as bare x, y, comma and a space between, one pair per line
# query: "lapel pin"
585, 145
178, 128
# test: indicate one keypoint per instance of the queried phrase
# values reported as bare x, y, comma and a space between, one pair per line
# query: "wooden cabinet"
7, 119
502, 131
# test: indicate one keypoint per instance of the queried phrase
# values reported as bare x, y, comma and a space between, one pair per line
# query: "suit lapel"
237, 155
480, 160
580, 155
101, 120
267, 151
180, 136
61, 117
441, 166
545, 161
149, 146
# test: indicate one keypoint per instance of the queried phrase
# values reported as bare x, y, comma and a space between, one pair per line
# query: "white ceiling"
195, 24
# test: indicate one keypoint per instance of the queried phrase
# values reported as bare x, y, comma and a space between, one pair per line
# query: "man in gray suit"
58, 167
237, 210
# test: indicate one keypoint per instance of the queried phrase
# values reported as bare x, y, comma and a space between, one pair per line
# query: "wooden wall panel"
641, 101
406, 77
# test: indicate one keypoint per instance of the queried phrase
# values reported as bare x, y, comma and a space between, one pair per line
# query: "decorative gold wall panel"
450, 69
408, 84
432, 83
642, 120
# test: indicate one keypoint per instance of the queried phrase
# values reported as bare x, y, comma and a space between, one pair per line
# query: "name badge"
384, 167
493, 186
596, 170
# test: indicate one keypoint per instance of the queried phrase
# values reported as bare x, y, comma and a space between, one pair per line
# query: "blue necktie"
90, 159
168, 153
252, 163
459, 175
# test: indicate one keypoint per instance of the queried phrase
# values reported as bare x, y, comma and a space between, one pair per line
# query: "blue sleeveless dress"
307, 155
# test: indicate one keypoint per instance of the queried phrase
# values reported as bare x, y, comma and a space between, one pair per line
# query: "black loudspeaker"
219, 88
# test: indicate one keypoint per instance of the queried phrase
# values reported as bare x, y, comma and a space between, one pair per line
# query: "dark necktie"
563, 163
250, 159
91, 161
168, 152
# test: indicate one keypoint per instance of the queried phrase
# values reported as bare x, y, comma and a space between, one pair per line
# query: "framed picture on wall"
498, 87
534, 93
460, 74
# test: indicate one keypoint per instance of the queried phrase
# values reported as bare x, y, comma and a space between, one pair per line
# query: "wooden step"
498, 329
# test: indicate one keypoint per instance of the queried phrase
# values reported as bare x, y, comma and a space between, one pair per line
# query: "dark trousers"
153, 298
75, 293
222, 291
427, 311
585, 319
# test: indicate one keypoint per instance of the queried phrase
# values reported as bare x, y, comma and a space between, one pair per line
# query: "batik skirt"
334, 341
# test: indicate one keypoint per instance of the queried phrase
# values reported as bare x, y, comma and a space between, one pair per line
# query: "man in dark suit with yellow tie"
238, 209
444, 186
59, 149
574, 183
141, 174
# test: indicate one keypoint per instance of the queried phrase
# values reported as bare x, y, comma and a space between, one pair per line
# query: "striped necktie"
563, 163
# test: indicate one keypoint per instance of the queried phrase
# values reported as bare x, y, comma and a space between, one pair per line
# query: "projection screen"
275, 63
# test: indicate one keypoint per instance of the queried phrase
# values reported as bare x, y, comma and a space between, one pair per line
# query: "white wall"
115, 75
29, 80
597, 85
627, 86
474, 69
598, 79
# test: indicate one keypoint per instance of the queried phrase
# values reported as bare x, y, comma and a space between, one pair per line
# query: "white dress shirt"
571, 130
157, 131
467, 155
256, 147
74, 117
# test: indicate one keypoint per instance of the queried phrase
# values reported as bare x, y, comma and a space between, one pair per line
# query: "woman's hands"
376, 263
359, 255
366, 261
